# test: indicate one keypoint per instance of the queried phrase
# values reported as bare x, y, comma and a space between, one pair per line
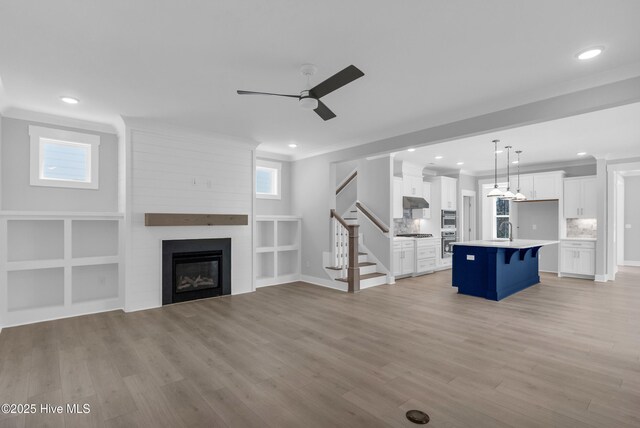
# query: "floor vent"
418, 417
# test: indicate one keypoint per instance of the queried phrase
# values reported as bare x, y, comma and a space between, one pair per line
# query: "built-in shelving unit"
59, 264
277, 249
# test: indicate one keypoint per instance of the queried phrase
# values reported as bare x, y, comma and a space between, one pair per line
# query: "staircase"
369, 273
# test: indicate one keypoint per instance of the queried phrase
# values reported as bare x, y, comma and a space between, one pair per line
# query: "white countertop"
505, 243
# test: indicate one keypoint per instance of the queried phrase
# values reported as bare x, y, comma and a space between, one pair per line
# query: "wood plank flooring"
562, 353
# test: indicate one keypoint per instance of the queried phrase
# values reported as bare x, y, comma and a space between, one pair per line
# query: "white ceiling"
611, 133
180, 63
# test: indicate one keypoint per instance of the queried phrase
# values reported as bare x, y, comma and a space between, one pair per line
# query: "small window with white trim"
61, 158
268, 179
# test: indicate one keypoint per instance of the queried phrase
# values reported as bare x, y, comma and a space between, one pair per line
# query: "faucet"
510, 229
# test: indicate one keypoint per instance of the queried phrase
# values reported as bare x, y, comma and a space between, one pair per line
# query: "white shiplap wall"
185, 174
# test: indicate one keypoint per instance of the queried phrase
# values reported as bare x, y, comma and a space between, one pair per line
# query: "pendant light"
508, 194
519, 196
495, 192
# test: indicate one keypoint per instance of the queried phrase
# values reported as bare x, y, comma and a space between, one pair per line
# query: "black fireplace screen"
195, 269
195, 273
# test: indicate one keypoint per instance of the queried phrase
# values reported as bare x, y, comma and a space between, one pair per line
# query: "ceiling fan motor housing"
307, 102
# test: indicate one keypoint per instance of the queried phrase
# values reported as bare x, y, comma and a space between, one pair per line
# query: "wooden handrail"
383, 228
346, 182
335, 215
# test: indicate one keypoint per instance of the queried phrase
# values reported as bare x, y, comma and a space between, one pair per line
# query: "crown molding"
51, 119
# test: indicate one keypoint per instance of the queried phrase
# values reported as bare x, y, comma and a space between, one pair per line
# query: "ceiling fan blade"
266, 93
323, 111
336, 81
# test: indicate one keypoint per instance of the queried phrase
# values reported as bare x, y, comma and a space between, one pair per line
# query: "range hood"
411, 203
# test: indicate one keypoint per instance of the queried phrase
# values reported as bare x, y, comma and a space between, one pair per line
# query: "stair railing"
372, 218
345, 249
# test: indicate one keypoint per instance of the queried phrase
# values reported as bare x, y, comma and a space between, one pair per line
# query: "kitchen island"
496, 269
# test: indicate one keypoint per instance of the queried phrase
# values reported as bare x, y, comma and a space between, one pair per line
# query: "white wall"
280, 206
19, 195
632, 218
161, 178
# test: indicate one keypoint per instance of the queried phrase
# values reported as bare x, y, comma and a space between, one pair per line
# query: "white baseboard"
322, 282
601, 278
630, 263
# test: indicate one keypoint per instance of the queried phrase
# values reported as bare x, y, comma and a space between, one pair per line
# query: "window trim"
39, 135
270, 165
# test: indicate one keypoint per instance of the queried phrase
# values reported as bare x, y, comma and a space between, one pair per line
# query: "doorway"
467, 231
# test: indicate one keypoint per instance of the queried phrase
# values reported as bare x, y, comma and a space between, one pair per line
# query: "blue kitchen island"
496, 269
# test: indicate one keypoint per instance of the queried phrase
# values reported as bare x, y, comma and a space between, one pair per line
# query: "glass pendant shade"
495, 192
508, 195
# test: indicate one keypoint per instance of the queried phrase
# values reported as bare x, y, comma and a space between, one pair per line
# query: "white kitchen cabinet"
412, 185
444, 191
580, 197
426, 255
397, 197
540, 186
577, 258
404, 254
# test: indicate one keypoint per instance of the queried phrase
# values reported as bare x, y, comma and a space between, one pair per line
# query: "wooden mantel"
176, 219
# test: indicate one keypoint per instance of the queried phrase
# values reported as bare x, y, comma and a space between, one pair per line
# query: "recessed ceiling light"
460, 163
69, 100
515, 161
438, 157
582, 153
590, 53
498, 151
293, 145
411, 150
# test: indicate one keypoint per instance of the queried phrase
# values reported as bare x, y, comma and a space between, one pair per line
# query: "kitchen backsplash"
582, 228
406, 225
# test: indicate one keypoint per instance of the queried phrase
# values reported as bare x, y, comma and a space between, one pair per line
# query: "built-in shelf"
59, 264
277, 249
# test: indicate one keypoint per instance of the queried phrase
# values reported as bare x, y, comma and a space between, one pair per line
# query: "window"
501, 217
268, 179
62, 158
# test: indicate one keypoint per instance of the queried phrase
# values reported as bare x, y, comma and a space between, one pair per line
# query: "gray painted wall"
311, 189
544, 215
374, 191
278, 206
632, 217
19, 195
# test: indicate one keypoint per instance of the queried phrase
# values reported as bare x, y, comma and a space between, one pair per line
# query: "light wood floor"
562, 353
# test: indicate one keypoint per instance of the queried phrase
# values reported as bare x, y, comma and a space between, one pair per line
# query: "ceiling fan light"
308, 103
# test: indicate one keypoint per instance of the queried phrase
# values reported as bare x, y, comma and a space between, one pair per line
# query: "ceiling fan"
309, 99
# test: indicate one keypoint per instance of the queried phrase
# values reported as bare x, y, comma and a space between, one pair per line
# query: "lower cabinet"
577, 258
404, 255
426, 255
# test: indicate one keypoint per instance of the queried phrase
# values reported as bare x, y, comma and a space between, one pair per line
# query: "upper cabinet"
412, 185
580, 197
547, 185
445, 189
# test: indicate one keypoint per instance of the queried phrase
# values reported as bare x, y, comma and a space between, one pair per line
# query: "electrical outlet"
627, 226
534, 227
307, 264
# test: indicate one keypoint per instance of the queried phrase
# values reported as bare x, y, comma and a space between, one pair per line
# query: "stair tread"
362, 264
363, 277
333, 267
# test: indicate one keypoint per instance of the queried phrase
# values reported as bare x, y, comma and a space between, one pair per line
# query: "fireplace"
195, 269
